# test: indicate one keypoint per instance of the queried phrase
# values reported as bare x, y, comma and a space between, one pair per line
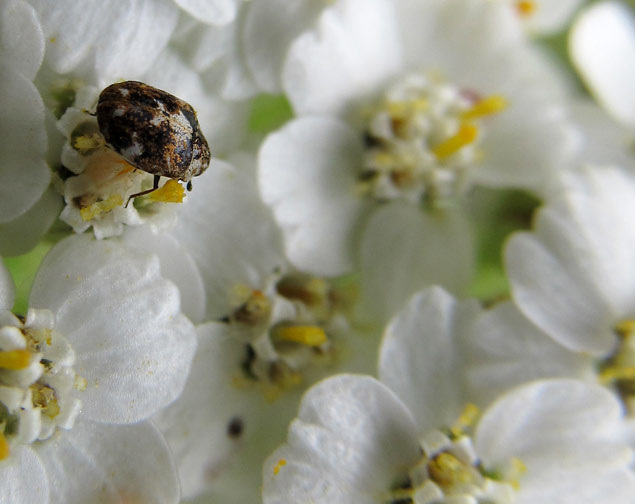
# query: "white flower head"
409, 102
355, 441
104, 348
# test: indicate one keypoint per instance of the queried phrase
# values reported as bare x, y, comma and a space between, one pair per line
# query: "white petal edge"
307, 175
353, 51
23, 233
7, 288
215, 12
176, 265
420, 358
602, 48
21, 37
351, 439
24, 175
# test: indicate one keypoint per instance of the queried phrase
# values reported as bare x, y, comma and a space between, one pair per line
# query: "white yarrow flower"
103, 349
355, 441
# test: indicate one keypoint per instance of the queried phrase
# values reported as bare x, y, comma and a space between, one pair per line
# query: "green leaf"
269, 112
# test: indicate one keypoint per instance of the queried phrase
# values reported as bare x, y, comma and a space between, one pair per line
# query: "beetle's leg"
155, 186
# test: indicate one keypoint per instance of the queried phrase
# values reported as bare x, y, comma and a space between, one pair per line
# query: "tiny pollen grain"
279, 465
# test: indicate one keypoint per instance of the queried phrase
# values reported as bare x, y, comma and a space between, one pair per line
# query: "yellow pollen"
526, 8
466, 135
306, 335
279, 464
467, 418
171, 192
518, 468
86, 143
101, 207
487, 106
15, 359
447, 471
4, 447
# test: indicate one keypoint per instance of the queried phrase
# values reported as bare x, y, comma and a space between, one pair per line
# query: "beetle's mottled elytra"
153, 130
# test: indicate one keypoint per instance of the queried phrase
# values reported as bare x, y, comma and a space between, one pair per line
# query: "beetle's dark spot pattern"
153, 130
235, 428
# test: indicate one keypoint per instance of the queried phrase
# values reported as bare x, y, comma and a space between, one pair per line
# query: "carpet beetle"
153, 130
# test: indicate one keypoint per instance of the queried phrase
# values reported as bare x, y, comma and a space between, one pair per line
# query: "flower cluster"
345, 251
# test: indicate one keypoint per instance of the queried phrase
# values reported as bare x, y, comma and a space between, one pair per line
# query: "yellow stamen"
466, 135
15, 359
625, 327
279, 464
171, 192
100, 207
44, 397
306, 335
487, 106
467, 418
611, 374
86, 143
447, 471
526, 8
5, 451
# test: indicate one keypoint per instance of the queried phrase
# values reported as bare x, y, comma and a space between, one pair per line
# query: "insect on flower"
154, 131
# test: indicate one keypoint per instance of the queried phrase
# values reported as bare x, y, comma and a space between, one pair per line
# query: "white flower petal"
176, 265
353, 50
461, 38
574, 276
24, 175
541, 134
229, 233
7, 288
216, 12
22, 234
100, 463
133, 346
24, 479
270, 27
21, 37
504, 350
419, 358
307, 174
350, 441
197, 424
602, 47
404, 249
216, 53
564, 432
118, 38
